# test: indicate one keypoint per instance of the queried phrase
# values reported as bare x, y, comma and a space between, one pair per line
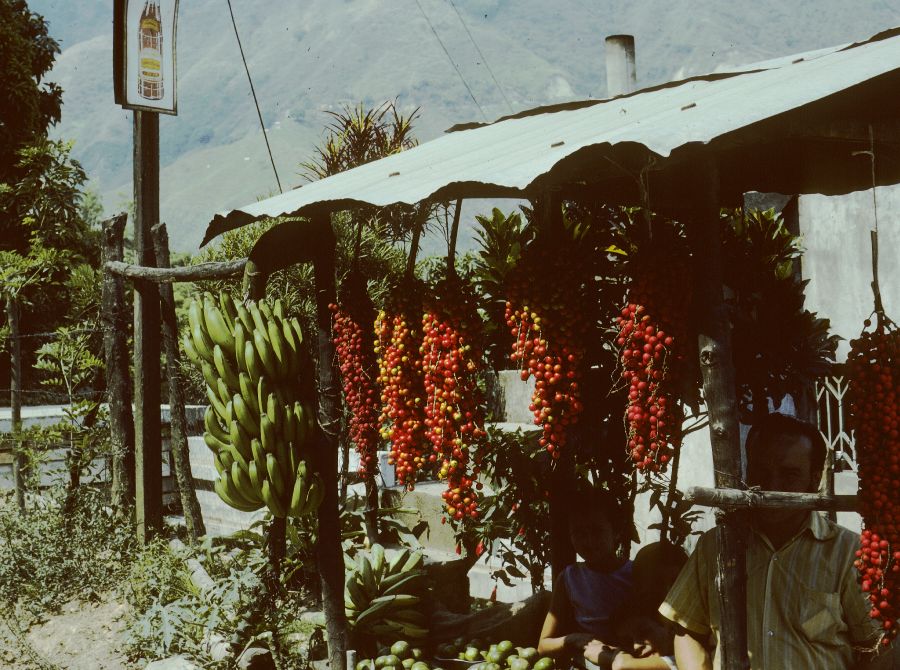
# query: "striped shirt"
804, 606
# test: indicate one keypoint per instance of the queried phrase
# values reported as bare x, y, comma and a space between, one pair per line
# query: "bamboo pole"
118, 377
190, 273
181, 458
15, 397
717, 367
744, 498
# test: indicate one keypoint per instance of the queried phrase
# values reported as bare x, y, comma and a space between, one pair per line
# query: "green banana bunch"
257, 428
384, 597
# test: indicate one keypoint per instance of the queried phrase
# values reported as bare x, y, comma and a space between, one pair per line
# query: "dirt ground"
83, 636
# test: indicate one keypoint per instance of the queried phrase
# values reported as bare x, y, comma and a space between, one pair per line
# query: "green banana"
242, 484
221, 487
292, 453
272, 409
202, 344
271, 500
262, 395
220, 466
275, 477
215, 403
195, 315
223, 390
407, 630
259, 321
240, 340
397, 578
240, 441
245, 416
267, 434
264, 351
223, 367
298, 495
244, 316
209, 375
251, 361
357, 594
227, 308
301, 426
212, 425
280, 347
190, 350
226, 459
248, 393
414, 617
214, 443
291, 339
217, 327
366, 574
253, 473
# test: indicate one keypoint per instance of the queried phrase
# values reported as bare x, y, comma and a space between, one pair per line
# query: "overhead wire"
450, 58
481, 55
255, 100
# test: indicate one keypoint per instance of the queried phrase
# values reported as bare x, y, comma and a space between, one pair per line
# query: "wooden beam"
329, 553
15, 397
743, 499
199, 272
181, 458
714, 340
118, 376
148, 440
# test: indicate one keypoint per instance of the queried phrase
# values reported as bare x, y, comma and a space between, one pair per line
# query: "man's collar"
821, 528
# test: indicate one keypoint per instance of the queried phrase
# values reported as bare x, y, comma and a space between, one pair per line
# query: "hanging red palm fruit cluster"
359, 370
874, 395
547, 317
652, 336
398, 339
452, 360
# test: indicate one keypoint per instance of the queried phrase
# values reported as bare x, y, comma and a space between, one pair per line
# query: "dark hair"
775, 425
599, 503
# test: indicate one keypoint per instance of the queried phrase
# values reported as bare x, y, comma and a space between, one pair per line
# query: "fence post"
181, 458
118, 376
15, 397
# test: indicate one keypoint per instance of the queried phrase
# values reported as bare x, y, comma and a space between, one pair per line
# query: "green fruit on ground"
528, 653
491, 666
545, 663
494, 656
400, 649
505, 647
417, 653
393, 667
365, 664
471, 654
391, 659
408, 663
381, 661
517, 663
420, 665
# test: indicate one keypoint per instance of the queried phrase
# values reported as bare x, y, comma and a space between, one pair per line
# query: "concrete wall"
837, 261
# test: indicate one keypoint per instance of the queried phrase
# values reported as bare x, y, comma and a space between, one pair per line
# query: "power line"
255, 101
481, 55
450, 58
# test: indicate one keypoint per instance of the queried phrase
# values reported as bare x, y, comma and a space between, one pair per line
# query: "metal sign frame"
122, 29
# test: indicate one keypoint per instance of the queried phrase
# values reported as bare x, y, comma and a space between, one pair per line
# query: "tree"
30, 106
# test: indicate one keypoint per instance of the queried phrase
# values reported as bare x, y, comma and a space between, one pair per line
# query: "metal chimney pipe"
621, 75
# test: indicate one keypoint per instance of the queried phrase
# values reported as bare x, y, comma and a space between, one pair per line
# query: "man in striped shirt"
805, 609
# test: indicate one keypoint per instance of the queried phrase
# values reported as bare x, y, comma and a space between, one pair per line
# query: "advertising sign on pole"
144, 54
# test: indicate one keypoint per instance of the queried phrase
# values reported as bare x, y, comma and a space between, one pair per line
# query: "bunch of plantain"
383, 595
258, 429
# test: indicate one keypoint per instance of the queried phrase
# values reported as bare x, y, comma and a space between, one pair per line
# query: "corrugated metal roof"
513, 155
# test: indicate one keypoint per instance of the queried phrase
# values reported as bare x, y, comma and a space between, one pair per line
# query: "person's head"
655, 569
785, 454
598, 528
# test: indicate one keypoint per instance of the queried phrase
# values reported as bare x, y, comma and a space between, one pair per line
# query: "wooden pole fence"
727, 498
187, 273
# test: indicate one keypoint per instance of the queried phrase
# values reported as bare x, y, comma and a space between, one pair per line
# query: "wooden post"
15, 397
717, 366
181, 458
118, 375
329, 553
148, 440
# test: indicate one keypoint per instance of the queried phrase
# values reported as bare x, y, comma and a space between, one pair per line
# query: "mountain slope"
307, 58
